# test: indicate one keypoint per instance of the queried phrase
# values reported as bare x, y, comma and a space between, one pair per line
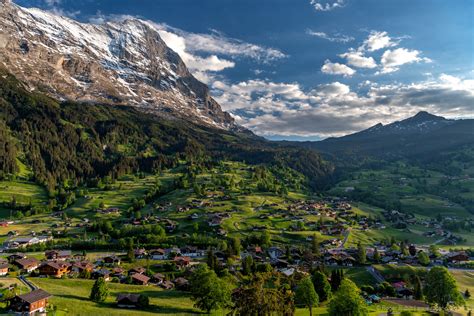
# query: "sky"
311, 69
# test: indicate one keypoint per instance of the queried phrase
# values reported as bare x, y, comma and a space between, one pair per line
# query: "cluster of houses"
58, 263
348, 257
21, 242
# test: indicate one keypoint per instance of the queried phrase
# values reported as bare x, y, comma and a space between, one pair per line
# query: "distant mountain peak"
426, 116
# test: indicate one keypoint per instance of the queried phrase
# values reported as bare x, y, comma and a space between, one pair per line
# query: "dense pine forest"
67, 143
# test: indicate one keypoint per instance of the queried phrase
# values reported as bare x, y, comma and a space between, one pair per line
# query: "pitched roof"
56, 265
131, 297
27, 262
140, 277
34, 296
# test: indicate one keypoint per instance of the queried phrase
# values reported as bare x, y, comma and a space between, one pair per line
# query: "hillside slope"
80, 142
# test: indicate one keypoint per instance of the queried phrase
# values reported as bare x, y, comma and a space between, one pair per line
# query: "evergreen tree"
321, 285
376, 255
315, 246
361, 254
99, 291
211, 259
247, 265
336, 279
417, 289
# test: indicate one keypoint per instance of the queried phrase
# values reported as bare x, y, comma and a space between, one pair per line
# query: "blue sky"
309, 69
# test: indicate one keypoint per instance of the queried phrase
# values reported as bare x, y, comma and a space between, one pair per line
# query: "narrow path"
375, 274
346, 236
438, 241
27, 283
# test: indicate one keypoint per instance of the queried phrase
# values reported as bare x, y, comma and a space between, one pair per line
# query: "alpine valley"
125, 189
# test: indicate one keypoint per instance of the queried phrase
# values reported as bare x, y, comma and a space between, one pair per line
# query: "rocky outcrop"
122, 63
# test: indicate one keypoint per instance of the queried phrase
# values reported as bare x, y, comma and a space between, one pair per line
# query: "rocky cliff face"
122, 63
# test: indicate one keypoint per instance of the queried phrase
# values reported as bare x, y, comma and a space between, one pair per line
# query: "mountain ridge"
422, 136
118, 62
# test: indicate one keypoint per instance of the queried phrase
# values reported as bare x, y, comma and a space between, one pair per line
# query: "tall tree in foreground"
321, 285
347, 301
99, 291
263, 295
336, 278
208, 291
441, 290
306, 295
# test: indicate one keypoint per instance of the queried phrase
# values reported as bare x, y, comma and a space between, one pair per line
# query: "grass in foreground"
71, 297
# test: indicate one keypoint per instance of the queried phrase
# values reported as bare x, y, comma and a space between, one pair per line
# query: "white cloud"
333, 109
357, 59
331, 89
327, 5
392, 59
377, 40
337, 69
53, 6
196, 64
217, 43
332, 38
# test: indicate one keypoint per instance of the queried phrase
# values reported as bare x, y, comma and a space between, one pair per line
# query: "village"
170, 268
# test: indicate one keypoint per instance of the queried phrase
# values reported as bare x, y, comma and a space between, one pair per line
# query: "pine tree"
376, 256
99, 291
315, 246
321, 285
361, 254
417, 291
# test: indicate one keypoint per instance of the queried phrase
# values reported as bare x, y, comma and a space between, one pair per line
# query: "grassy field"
411, 185
71, 297
23, 192
465, 280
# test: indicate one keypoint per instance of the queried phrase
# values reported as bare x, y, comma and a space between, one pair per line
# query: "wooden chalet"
30, 303
81, 266
55, 268
111, 260
140, 279
128, 300
28, 264
182, 262
58, 254
4, 269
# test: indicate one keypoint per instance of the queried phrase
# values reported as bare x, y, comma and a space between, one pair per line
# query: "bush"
368, 289
143, 301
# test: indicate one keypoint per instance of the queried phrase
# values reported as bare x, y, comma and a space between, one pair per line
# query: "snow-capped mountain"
123, 63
